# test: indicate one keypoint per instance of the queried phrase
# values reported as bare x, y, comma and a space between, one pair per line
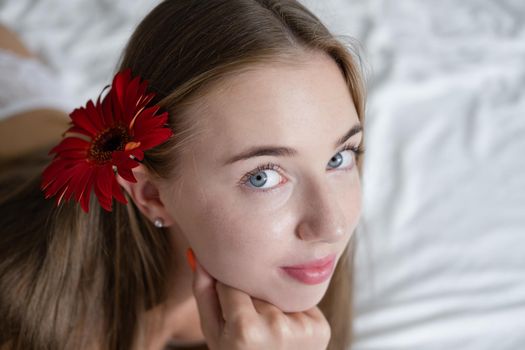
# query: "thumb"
207, 300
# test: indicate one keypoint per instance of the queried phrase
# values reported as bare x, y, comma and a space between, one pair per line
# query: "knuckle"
237, 319
307, 326
280, 326
277, 319
324, 330
245, 330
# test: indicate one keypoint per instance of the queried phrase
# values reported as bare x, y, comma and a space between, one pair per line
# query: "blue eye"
269, 173
347, 162
262, 175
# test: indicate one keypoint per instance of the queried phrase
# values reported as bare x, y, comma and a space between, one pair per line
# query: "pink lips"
313, 272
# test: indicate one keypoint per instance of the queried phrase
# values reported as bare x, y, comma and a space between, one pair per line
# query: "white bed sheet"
440, 258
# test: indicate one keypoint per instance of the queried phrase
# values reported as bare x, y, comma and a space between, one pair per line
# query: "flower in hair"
105, 139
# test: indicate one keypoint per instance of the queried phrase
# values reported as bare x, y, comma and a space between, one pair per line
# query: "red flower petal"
60, 179
86, 193
119, 86
94, 116
73, 155
120, 127
117, 191
137, 153
124, 165
127, 174
155, 138
56, 177
70, 143
82, 120
147, 121
83, 185
130, 100
103, 186
77, 130
106, 108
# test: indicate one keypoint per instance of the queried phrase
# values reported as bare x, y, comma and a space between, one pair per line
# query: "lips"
314, 263
313, 272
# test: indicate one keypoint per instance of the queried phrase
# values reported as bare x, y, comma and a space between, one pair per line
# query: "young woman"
255, 172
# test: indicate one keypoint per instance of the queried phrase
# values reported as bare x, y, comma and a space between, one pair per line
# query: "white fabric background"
441, 264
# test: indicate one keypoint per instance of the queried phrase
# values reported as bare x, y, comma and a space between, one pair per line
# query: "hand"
232, 320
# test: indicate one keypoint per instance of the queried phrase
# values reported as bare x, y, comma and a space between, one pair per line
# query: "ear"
146, 196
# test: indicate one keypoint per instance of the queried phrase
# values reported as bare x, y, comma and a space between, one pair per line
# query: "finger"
234, 302
315, 313
264, 307
207, 301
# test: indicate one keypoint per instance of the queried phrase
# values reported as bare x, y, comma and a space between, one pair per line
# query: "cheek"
233, 241
243, 239
353, 201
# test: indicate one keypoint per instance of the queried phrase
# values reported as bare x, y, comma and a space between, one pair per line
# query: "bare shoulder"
27, 131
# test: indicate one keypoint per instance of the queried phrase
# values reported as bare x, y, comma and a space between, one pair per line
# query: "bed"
440, 259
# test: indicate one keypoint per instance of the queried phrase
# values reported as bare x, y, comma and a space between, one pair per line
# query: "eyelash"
358, 151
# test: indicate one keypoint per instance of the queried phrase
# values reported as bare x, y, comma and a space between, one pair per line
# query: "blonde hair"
68, 278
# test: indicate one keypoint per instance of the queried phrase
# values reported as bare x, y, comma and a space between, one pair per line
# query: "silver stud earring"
158, 222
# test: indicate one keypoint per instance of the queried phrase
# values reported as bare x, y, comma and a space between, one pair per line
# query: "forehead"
283, 104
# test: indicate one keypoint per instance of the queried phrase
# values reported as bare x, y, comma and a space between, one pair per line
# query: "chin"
285, 295
298, 305
292, 301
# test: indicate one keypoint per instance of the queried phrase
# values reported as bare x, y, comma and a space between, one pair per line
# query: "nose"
323, 219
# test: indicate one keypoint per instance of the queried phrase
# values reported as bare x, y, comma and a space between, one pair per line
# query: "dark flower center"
108, 141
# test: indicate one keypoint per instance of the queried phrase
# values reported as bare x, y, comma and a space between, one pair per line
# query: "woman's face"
244, 226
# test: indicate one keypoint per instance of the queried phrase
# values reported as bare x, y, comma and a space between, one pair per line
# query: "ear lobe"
145, 195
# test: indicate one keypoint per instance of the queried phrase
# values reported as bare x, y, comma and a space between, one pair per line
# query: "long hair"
70, 279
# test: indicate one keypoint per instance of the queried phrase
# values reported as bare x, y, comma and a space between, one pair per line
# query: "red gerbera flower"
111, 137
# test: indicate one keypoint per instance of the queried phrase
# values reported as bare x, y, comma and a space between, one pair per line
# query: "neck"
178, 320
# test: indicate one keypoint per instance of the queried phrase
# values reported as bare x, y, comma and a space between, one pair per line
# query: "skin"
23, 132
239, 234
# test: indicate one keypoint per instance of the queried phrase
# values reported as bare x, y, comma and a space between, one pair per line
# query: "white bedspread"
441, 264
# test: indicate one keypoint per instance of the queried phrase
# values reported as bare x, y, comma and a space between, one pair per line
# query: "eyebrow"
281, 151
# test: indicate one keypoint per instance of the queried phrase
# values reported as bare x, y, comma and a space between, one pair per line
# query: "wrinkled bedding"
440, 261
